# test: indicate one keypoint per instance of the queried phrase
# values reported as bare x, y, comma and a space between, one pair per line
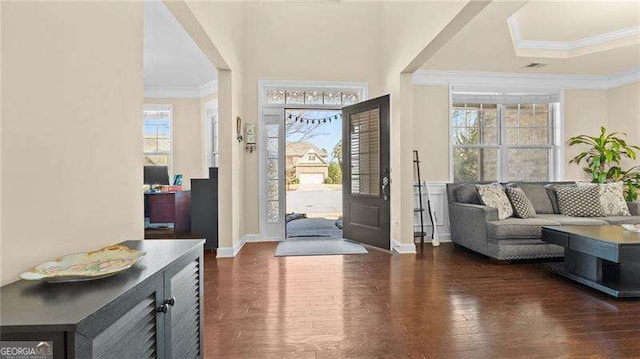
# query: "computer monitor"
156, 175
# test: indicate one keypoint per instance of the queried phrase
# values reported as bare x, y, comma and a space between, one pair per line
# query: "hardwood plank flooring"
441, 303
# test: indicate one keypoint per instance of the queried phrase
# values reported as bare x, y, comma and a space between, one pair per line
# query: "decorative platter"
77, 267
632, 227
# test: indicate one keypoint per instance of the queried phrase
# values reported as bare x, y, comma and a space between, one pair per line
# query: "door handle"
385, 187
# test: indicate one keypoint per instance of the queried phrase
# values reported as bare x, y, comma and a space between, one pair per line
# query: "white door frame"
273, 228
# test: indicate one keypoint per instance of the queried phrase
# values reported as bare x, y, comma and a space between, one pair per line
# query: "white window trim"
159, 107
557, 166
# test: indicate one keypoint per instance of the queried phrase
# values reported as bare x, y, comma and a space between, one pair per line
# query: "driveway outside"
323, 206
316, 200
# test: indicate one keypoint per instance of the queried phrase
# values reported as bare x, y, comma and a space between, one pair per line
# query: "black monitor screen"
154, 175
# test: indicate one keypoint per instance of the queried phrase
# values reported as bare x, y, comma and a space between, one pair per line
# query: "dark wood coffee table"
606, 258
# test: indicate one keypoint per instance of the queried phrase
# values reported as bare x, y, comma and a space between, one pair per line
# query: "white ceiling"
485, 44
171, 58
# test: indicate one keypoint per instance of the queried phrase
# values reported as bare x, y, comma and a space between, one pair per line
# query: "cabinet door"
183, 320
130, 328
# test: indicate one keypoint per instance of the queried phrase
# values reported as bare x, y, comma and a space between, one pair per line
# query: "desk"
169, 207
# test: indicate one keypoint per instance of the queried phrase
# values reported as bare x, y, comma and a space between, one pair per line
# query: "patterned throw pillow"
580, 201
492, 195
522, 206
611, 198
551, 192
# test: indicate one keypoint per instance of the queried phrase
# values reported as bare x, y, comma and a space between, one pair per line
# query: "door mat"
318, 247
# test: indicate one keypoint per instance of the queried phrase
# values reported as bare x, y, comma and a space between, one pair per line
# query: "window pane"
295, 97
156, 160
475, 164
541, 119
150, 130
475, 124
150, 145
526, 164
164, 145
526, 118
156, 145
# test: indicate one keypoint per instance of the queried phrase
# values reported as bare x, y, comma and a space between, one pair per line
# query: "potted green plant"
603, 160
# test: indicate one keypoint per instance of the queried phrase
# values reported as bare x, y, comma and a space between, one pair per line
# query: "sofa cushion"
522, 207
551, 193
583, 201
512, 228
622, 219
575, 221
537, 194
492, 195
467, 193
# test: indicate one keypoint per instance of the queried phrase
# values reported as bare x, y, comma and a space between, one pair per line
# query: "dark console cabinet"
152, 310
204, 208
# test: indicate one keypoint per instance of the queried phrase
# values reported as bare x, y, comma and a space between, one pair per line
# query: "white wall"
71, 136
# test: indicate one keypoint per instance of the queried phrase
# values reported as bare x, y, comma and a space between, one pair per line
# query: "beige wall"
307, 42
624, 114
431, 131
71, 136
188, 147
585, 111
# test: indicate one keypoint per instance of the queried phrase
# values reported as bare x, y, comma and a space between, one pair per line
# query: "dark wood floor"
445, 303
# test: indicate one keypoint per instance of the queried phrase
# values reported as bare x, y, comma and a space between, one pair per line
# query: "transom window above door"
309, 97
506, 140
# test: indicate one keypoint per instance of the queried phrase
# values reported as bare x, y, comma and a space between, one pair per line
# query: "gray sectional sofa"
476, 227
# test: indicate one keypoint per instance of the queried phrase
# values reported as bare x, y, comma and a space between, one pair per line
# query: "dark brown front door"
366, 188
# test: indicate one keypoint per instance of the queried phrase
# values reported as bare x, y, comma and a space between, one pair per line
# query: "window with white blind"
157, 135
503, 137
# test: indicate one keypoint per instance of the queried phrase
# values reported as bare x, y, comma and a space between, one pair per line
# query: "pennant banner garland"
313, 120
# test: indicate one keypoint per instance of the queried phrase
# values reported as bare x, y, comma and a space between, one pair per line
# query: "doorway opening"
313, 173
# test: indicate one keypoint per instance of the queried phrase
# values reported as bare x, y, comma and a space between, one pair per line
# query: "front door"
366, 187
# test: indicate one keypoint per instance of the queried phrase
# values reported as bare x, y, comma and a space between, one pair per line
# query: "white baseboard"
230, 252
403, 248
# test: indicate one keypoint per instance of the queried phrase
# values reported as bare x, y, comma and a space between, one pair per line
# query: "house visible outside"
307, 163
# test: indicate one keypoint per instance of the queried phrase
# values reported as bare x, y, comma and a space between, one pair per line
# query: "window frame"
554, 147
158, 107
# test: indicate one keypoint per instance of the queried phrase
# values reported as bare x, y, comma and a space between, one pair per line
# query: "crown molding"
470, 80
196, 92
566, 45
208, 88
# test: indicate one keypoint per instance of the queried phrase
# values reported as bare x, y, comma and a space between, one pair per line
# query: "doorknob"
162, 309
171, 301
385, 185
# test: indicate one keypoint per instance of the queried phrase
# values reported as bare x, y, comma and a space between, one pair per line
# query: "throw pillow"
579, 201
492, 195
551, 192
611, 198
522, 206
